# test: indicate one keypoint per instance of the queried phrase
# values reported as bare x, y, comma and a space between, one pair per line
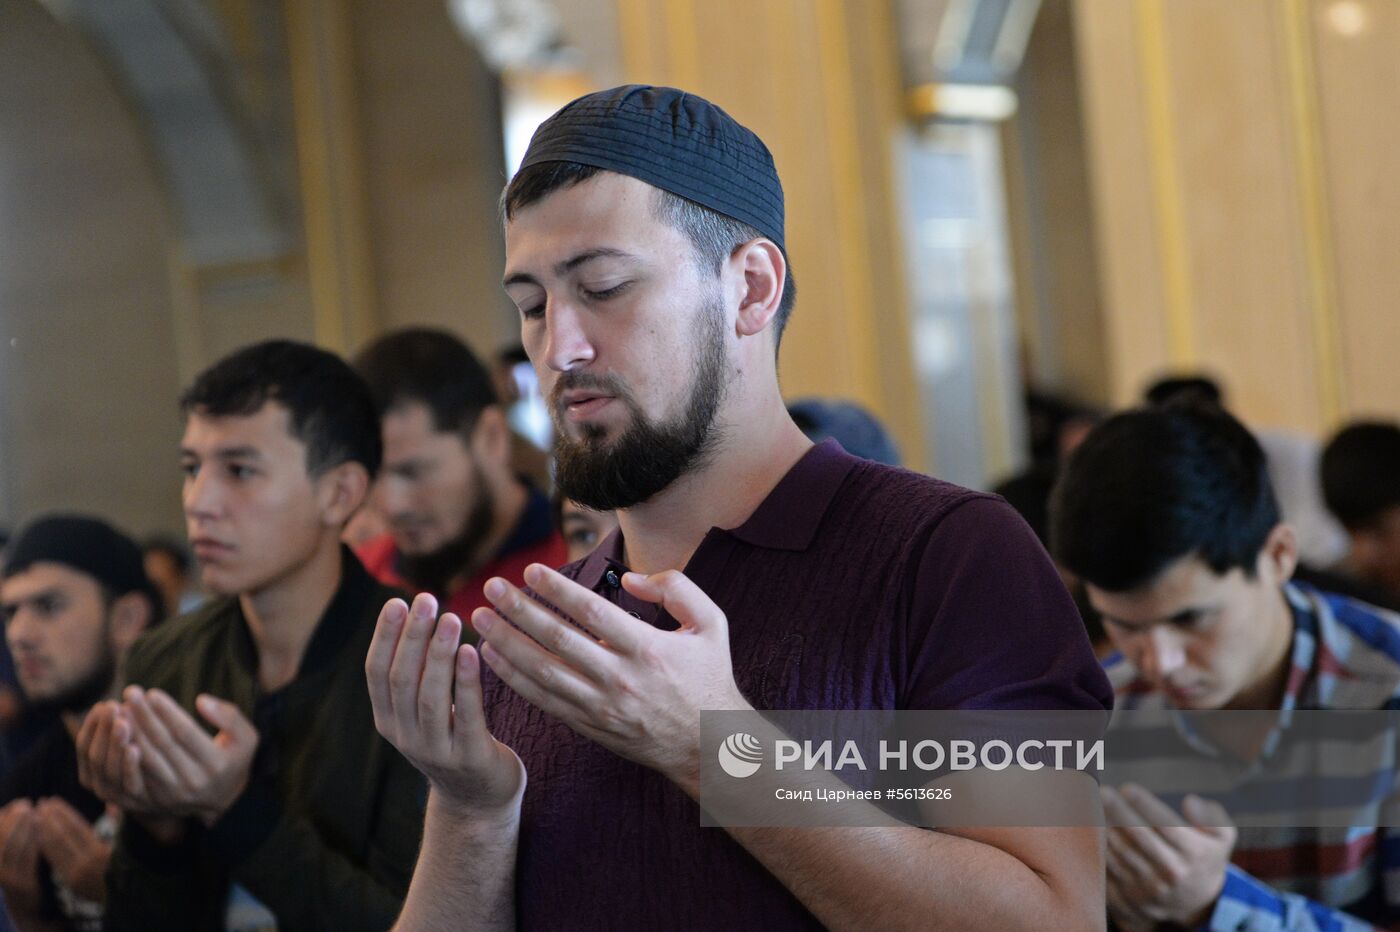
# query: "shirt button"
613, 579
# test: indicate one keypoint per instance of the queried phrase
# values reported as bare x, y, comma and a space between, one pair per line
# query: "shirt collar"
334, 628
1306, 631
606, 556
787, 519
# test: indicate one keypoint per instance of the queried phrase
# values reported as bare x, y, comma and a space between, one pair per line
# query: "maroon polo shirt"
854, 585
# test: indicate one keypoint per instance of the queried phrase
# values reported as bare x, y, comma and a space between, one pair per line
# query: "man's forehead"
269, 427
1160, 600
41, 578
409, 415
410, 427
608, 213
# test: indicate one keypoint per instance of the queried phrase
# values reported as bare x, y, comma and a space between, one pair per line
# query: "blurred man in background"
1361, 482
74, 598
295, 813
583, 528
518, 392
458, 510
1169, 517
168, 566
858, 431
17, 727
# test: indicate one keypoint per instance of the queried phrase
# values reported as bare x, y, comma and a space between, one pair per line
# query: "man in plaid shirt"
1168, 517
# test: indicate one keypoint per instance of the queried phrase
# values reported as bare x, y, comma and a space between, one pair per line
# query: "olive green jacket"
326, 834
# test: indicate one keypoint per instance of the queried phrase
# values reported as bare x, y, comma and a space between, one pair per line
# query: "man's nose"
567, 345
200, 496
19, 629
1163, 652
391, 496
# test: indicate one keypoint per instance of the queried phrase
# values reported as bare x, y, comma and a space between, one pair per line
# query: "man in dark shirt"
644, 245
295, 813
458, 510
1169, 516
74, 598
1360, 470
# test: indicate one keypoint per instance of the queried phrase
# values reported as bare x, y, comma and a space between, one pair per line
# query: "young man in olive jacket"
294, 811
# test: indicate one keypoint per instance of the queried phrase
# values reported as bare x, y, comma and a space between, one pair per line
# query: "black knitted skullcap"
88, 545
673, 141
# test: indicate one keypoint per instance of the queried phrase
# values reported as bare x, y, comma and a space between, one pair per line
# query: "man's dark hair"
433, 368
713, 235
1184, 388
1150, 486
512, 355
1361, 472
330, 406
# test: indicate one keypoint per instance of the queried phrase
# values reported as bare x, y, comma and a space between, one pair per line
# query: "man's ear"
763, 272
341, 491
130, 615
1280, 552
490, 442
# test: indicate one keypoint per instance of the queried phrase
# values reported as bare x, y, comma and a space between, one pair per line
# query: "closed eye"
1195, 618
607, 293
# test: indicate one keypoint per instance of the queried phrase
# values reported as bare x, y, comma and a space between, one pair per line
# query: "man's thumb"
224, 716
682, 599
1208, 816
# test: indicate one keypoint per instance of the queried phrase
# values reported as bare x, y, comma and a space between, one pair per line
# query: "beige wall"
1243, 171
103, 320
828, 104
1051, 218
87, 395
1359, 154
434, 167
400, 158
1245, 213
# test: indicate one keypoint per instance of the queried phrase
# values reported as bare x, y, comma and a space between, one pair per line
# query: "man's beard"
647, 457
433, 571
87, 691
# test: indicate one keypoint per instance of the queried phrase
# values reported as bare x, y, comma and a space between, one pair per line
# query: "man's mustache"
584, 381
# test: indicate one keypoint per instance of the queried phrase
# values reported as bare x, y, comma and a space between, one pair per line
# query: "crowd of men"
411, 687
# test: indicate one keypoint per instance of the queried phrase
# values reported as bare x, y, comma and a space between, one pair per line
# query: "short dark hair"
713, 235
1361, 472
1150, 486
1198, 388
433, 368
512, 355
330, 406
